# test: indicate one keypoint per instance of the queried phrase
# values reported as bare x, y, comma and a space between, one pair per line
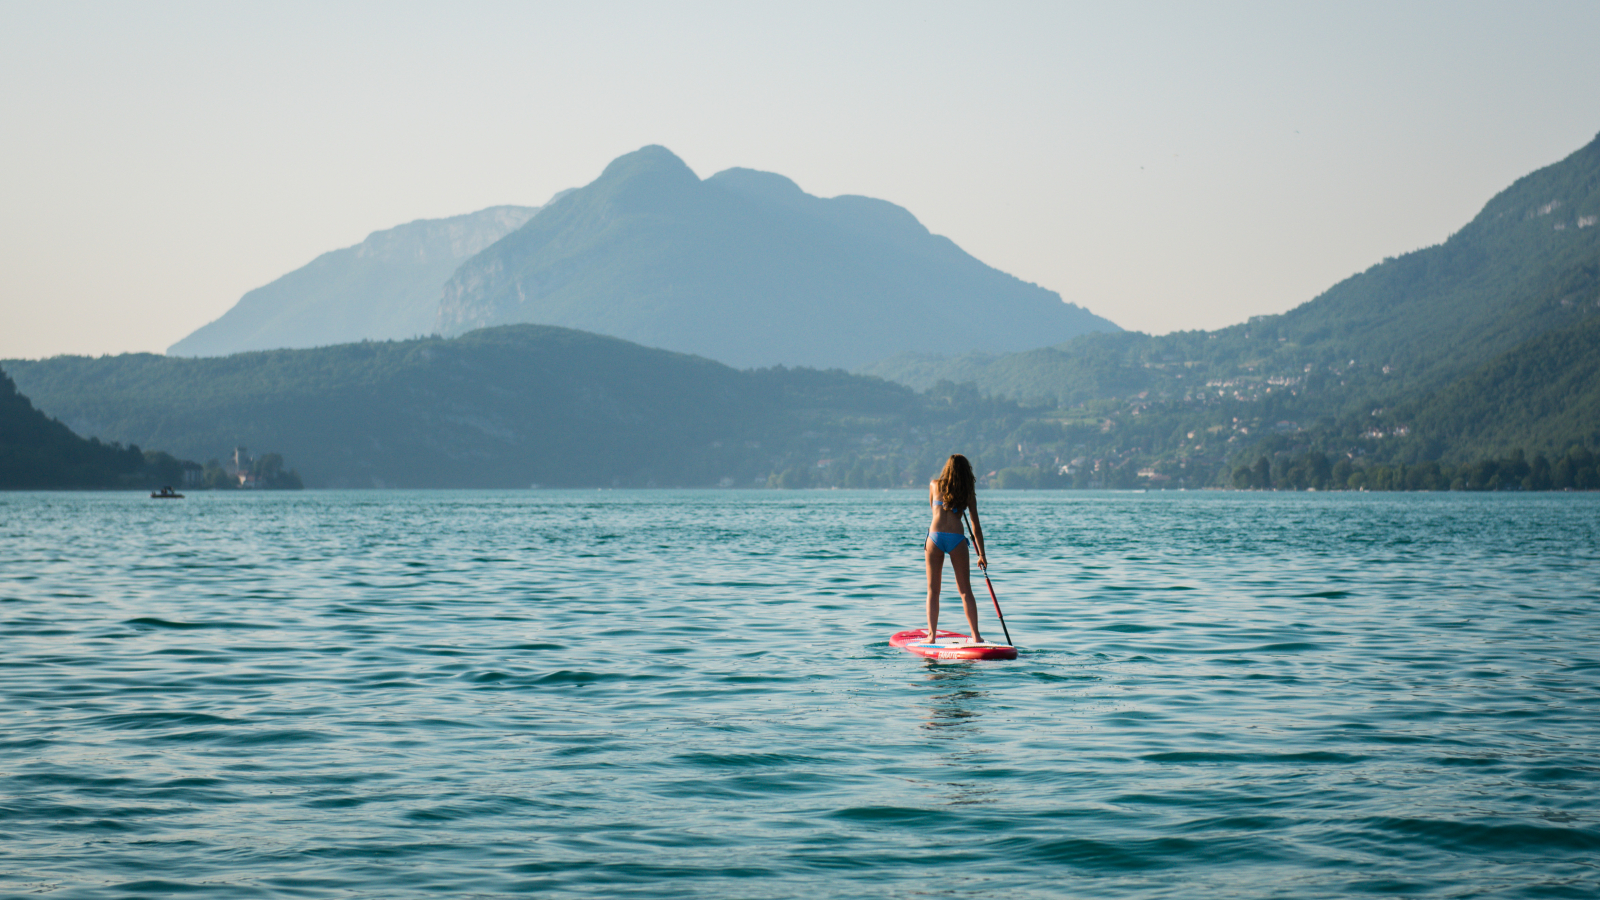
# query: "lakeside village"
240, 471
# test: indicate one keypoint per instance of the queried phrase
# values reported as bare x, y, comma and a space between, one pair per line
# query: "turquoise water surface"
691, 694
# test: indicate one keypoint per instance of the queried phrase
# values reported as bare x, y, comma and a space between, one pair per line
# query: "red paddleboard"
950, 645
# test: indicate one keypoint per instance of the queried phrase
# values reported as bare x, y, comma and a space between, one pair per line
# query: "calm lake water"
691, 694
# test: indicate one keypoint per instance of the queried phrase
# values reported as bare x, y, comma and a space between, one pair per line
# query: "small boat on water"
166, 493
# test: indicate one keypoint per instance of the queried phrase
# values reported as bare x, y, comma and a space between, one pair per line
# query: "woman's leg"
935, 572
969, 604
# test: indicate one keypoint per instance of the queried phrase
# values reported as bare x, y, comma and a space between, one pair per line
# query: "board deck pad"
950, 645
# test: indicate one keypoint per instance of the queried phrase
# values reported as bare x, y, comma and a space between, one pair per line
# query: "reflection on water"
955, 699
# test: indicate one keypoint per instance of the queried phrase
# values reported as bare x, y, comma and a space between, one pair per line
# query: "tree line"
1576, 469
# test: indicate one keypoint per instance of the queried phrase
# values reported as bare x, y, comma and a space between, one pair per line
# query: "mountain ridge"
1422, 318
387, 286
746, 268
1439, 366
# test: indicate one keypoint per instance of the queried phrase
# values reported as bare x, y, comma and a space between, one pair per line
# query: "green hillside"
746, 268
1515, 271
1350, 372
1436, 313
520, 405
1460, 365
39, 452
1541, 396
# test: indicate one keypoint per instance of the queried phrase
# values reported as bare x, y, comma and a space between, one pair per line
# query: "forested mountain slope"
518, 405
1513, 272
1541, 396
747, 269
1469, 349
1483, 346
1407, 324
385, 287
37, 451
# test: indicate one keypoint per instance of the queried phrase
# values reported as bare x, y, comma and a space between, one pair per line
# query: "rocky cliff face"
444, 240
386, 287
746, 268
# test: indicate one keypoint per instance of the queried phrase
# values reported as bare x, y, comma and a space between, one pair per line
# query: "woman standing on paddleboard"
954, 491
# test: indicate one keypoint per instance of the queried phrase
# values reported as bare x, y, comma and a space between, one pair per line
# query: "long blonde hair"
955, 484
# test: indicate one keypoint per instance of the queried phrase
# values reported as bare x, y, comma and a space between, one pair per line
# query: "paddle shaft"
986, 580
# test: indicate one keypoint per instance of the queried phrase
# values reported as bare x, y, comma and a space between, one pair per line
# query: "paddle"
986, 579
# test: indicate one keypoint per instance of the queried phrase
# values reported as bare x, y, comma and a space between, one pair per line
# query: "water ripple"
690, 694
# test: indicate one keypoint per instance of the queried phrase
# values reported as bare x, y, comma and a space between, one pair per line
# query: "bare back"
945, 518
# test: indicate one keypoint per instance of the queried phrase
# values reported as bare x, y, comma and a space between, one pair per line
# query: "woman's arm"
977, 530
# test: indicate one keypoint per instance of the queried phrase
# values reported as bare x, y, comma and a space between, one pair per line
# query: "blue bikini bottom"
946, 540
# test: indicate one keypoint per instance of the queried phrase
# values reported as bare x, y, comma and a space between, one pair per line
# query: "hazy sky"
1167, 165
